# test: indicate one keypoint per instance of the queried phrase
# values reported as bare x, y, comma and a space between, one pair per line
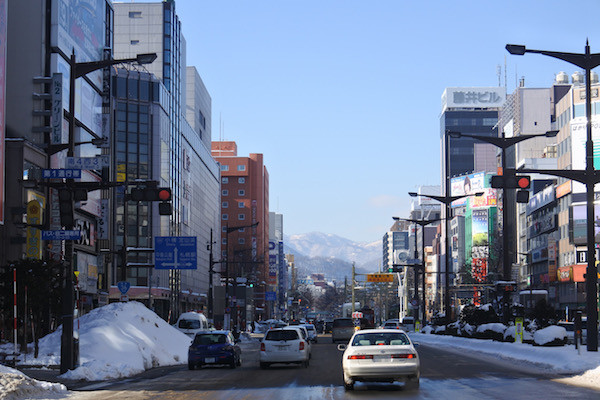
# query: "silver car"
380, 355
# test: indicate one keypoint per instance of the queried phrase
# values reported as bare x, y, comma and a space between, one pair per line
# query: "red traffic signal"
510, 182
164, 194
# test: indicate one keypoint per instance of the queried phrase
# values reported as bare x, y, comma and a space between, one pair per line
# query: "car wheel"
264, 365
348, 383
232, 364
239, 362
191, 366
412, 383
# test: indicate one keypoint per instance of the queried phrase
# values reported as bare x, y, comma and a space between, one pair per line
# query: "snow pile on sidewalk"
16, 385
562, 359
116, 341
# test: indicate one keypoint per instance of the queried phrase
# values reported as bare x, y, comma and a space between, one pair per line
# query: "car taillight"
409, 355
262, 347
301, 345
360, 357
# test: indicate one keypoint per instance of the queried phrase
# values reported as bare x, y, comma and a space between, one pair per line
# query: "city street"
444, 374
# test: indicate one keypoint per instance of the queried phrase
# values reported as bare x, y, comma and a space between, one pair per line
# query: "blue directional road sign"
175, 252
61, 173
61, 235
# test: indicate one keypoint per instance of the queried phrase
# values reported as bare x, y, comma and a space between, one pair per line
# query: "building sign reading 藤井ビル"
469, 97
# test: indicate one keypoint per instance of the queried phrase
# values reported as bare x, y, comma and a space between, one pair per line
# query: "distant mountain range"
332, 255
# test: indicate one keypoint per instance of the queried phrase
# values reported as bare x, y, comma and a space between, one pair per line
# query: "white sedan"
284, 345
380, 355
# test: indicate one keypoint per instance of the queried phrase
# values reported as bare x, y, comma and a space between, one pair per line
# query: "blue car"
213, 348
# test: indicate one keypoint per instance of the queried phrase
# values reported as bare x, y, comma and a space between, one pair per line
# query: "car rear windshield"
189, 324
383, 339
209, 338
284, 334
343, 323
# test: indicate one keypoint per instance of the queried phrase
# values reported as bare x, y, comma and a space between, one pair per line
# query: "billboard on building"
480, 231
580, 223
471, 184
479, 269
78, 25
578, 139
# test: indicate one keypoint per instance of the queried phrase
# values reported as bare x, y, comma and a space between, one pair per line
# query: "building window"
242, 241
241, 180
241, 217
240, 204
225, 217
224, 229
134, 42
241, 192
135, 14
224, 253
224, 241
225, 204
224, 192
242, 230
224, 179
224, 167
241, 168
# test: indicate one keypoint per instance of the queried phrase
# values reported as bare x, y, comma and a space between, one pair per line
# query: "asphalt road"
444, 375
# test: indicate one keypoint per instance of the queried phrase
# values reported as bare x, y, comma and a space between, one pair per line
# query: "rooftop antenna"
499, 73
505, 80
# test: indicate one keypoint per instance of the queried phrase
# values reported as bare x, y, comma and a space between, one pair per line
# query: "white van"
191, 322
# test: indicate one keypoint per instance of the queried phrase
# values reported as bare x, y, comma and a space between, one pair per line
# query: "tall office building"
472, 111
245, 202
277, 264
174, 153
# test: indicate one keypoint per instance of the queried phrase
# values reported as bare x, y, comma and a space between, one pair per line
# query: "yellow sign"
121, 173
34, 235
380, 277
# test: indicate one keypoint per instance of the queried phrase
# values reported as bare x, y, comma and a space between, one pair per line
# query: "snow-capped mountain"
317, 244
333, 255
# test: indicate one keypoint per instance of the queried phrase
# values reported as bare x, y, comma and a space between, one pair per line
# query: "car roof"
379, 331
221, 332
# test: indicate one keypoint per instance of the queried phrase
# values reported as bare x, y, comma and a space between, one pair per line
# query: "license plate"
282, 348
209, 360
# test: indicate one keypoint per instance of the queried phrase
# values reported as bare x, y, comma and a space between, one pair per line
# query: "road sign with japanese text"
380, 277
175, 252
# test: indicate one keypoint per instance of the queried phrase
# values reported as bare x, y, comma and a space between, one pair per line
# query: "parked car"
191, 322
214, 347
284, 345
380, 355
312, 332
342, 329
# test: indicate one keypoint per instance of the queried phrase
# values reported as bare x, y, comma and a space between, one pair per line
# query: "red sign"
479, 269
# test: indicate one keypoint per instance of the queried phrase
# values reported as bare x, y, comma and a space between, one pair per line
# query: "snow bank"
16, 385
550, 334
118, 340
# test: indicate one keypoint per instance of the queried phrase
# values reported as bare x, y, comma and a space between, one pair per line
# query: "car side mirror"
415, 344
342, 347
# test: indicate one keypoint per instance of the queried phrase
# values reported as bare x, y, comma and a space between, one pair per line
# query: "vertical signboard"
3, 35
272, 263
34, 235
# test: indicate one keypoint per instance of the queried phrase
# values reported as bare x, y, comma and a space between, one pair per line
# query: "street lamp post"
228, 230
77, 70
422, 223
504, 143
447, 201
587, 61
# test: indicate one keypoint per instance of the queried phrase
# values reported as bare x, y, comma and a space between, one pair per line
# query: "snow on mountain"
317, 244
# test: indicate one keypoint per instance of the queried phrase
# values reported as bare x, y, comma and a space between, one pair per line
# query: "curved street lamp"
447, 201
422, 223
587, 61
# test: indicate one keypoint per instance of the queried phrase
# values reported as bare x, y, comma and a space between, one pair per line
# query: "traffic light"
165, 207
154, 194
523, 196
65, 205
511, 182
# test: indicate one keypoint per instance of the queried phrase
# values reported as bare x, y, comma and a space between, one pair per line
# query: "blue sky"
343, 97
